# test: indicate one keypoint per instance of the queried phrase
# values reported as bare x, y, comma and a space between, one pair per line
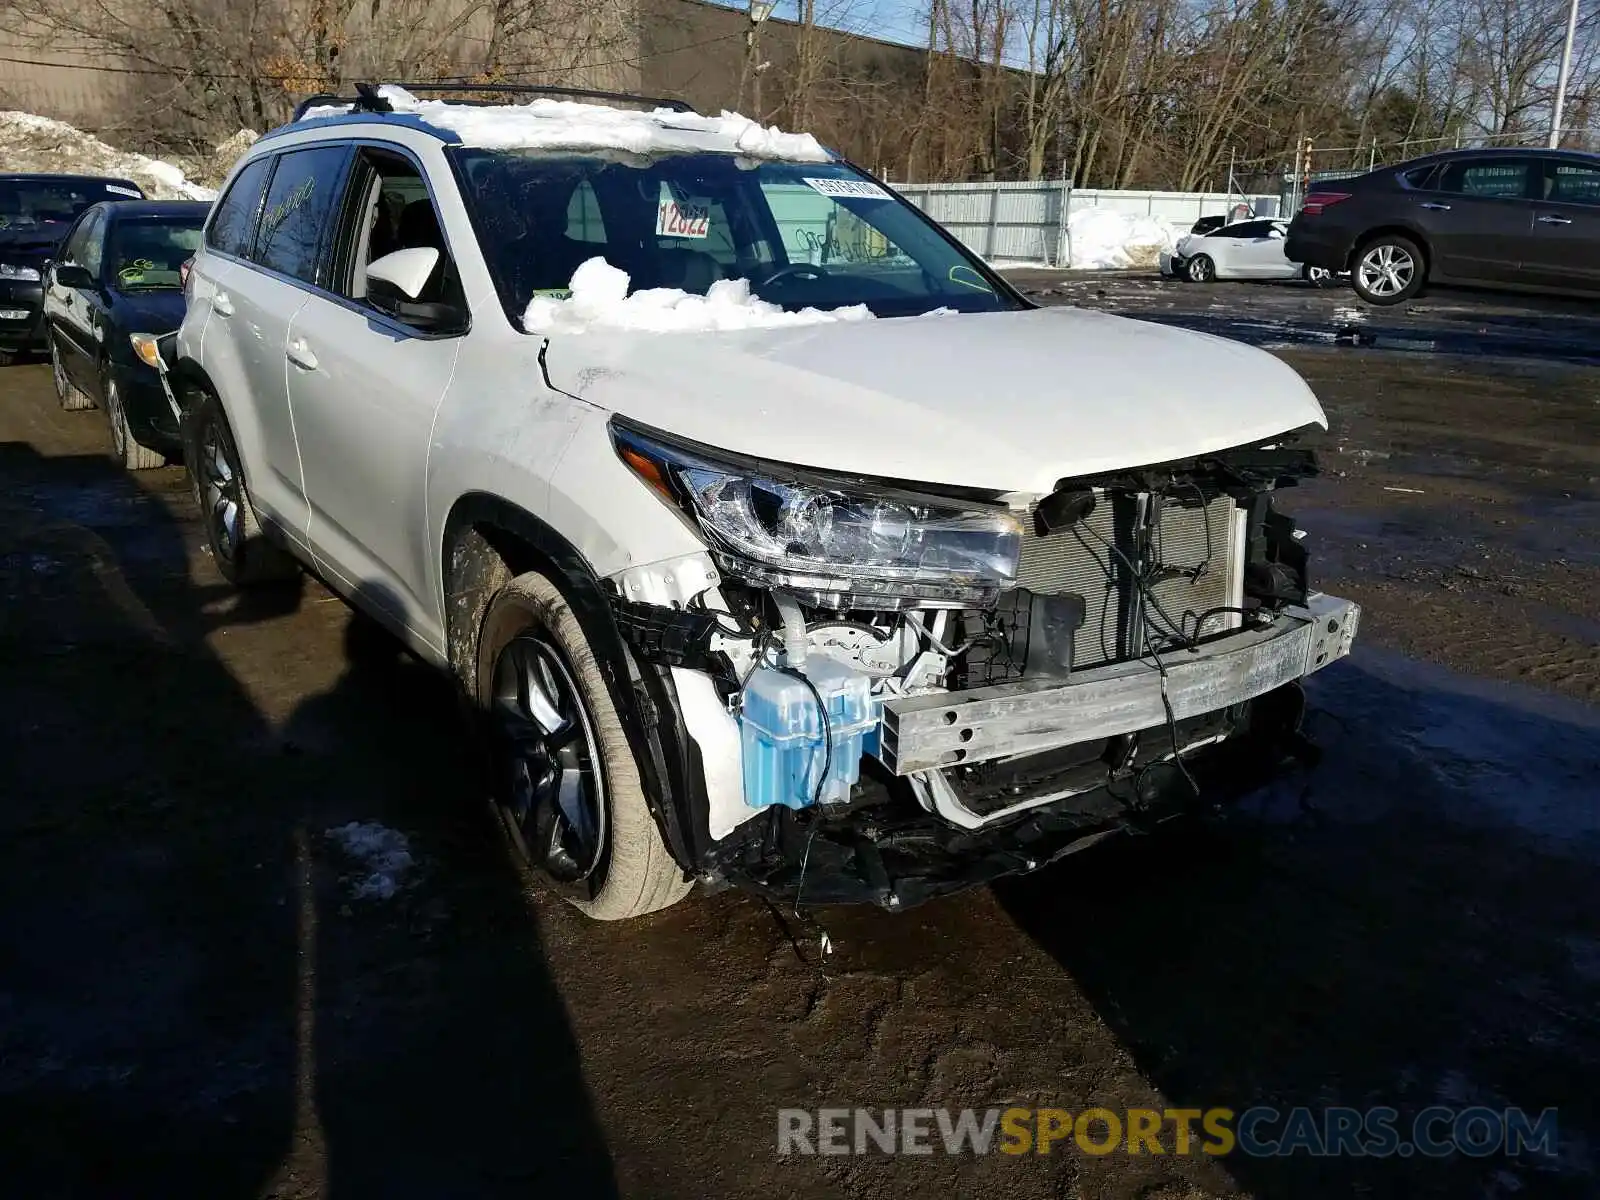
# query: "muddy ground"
196, 999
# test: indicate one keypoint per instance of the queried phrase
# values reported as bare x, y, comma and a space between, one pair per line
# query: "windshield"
44, 207
146, 253
817, 235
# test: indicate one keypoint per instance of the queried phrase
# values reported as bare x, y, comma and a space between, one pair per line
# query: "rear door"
1478, 219
1565, 248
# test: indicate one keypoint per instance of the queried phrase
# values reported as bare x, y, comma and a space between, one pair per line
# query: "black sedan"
1521, 220
117, 287
36, 211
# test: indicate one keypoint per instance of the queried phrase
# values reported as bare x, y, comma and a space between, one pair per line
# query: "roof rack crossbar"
367, 98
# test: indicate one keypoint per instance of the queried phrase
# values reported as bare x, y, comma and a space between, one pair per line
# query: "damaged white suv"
776, 540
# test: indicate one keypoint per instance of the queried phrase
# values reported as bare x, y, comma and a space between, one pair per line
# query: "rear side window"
299, 204
233, 227
1575, 184
1499, 178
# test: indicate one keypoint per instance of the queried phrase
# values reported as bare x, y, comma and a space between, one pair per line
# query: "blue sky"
891, 20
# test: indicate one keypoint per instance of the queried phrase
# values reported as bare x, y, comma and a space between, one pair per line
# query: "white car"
1243, 250
773, 537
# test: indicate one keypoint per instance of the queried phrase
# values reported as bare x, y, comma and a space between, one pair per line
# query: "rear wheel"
124, 448
1388, 270
72, 397
1201, 269
238, 544
565, 779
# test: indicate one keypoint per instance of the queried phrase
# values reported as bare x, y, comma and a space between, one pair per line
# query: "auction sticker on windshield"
855, 189
682, 220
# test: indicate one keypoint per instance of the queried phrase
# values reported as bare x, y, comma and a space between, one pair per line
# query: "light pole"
760, 10
1561, 80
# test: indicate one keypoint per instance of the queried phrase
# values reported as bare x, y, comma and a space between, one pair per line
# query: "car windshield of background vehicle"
815, 235
147, 253
46, 208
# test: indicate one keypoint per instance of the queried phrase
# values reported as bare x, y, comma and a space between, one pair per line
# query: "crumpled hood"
1013, 402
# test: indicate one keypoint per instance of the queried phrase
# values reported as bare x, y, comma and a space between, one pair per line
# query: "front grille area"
1190, 559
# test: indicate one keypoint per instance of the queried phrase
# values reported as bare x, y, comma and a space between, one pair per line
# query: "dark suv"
1524, 220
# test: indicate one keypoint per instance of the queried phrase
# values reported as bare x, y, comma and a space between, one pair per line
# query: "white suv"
775, 538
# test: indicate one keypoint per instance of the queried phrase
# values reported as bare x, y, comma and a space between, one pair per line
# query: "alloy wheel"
555, 788
1387, 269
57, 371
220, 493
119, 429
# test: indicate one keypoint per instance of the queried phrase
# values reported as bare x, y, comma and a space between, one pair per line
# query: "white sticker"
118, 190
855, 189
680, 220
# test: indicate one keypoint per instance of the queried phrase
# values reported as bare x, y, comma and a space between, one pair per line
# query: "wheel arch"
486, 541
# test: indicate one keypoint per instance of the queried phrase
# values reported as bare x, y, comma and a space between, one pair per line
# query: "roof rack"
367, 98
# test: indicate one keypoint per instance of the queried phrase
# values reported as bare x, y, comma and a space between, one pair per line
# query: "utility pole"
1561, 81
759, 11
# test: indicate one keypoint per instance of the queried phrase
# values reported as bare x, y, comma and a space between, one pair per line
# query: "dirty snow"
546, 124
600, 300
1107, 238
30, 143
382, 852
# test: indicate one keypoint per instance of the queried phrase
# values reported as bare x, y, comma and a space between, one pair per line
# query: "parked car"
773, 537
116, 287
1243, 250
1522, 220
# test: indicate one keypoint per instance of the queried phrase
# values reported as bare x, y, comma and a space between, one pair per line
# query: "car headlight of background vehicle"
19, 274
834, 542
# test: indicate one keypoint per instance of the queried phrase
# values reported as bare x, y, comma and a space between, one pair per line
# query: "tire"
1200, 269
72, 397
238, 544
129, 453
565, 780
1389, 269
7, 357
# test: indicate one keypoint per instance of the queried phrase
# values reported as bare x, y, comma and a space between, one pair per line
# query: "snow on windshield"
546, 124
600, 300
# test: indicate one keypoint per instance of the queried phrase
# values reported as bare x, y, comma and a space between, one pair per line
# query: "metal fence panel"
1024, 222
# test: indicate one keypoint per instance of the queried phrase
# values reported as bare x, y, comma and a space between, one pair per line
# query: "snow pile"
383, 852
30, 143
546, 124
215, 167
600, 300
1107, 238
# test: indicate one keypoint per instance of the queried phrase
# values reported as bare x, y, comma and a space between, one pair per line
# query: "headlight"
148, 349
21, 274
835, 542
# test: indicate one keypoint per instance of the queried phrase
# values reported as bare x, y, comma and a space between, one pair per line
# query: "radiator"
1194, 540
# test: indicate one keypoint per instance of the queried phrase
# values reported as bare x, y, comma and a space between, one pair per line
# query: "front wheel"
238, 544
1388, 270
564, 776
1202, 269
127, 451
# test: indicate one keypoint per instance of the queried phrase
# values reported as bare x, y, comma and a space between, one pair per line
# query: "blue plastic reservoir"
782, 732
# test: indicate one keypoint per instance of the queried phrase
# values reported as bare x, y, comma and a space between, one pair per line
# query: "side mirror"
394, 282
70, 275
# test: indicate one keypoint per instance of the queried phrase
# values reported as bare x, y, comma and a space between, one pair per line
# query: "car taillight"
1317, 201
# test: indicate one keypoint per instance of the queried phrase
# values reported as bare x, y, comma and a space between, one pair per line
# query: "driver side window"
83, 247
387, 209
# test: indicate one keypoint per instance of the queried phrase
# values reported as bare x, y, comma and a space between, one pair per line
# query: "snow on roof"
600, 301
32, 143
547, 124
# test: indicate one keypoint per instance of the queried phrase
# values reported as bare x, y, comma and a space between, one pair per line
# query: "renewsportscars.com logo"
1261, 1132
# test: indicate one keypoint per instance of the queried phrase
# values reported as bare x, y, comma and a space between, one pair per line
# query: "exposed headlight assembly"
20, 274
833, 541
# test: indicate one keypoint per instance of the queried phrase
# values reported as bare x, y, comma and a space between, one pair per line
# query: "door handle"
300, 355
1436, 206
1549, 219
221, 305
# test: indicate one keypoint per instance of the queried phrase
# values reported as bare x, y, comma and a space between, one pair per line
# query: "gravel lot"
204, 992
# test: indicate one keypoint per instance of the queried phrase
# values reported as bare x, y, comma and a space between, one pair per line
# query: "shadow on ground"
195, 997
1303, 957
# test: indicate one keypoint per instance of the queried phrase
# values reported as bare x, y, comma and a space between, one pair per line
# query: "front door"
70, 310
1477, 217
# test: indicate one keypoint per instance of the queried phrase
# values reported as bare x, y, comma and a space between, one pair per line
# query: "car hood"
1013, 402
150, 312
